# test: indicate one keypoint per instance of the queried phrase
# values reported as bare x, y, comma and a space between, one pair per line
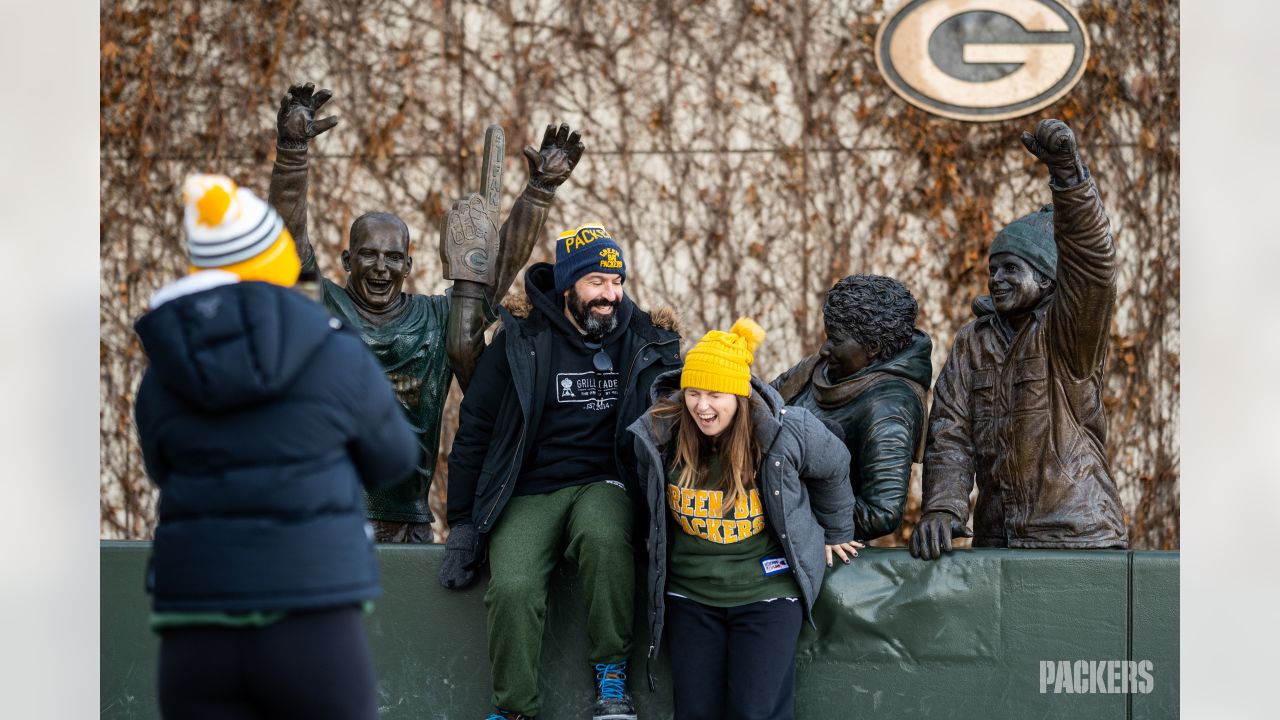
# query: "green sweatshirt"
723, 557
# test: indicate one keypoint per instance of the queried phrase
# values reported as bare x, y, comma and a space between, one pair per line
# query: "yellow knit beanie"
721, 361
229, 228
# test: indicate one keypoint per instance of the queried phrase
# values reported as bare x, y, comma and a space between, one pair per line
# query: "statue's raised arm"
296, 126
1080, 319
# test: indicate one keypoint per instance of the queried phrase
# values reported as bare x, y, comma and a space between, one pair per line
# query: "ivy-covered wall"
747, 155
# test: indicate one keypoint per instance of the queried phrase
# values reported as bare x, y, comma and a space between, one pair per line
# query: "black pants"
307, 665
734, 663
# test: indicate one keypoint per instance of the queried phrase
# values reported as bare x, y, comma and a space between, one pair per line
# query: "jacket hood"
765, 403
914, 363
984, 306
539, 286
234, 345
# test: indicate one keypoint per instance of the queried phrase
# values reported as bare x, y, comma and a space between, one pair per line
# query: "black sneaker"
613, 702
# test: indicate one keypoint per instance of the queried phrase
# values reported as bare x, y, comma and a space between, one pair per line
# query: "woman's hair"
739, 453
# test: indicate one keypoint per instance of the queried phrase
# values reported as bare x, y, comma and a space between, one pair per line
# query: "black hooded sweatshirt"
260, 420
573, 444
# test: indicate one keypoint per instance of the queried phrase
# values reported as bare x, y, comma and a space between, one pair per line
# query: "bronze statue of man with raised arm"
421, 340
1018, 406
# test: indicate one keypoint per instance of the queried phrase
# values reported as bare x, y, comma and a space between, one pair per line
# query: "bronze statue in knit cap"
422, 341
1018, 406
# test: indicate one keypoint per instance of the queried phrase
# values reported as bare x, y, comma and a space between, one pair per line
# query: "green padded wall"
959, 638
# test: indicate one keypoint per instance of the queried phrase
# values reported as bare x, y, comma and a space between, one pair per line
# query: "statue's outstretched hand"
1054, 144
551, 164
932, 535
295, 122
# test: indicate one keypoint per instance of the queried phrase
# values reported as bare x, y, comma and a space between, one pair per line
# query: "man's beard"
595, 326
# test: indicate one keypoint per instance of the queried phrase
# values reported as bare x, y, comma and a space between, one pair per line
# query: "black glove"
550, 165
461, 556
1054, 144
296, 122
932, 535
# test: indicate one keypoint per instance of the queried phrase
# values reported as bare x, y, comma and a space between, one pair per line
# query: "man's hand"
457, 570
932, 535
296, 123
1054, 144
550, 165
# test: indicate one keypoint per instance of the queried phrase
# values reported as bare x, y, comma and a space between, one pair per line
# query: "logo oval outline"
1055, 92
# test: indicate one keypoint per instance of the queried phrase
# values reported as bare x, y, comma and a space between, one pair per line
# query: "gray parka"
803, 480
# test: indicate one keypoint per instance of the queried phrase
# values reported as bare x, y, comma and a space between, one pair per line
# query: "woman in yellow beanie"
748, 502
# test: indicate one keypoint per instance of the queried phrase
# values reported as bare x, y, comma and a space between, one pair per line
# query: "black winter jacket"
506, 396
881, 413
260, 420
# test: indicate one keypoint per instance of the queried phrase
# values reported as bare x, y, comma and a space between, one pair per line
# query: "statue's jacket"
1022, 414
412, 346
881, 412
498, 417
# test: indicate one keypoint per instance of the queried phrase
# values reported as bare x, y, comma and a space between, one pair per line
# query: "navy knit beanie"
587, 249
1030, 237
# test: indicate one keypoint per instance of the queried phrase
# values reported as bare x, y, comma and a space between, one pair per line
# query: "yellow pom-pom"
749, 331
212, 206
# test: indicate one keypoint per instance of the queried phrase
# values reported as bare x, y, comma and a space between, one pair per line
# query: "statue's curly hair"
876, 311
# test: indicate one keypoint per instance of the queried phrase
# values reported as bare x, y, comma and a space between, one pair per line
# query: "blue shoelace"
612, 680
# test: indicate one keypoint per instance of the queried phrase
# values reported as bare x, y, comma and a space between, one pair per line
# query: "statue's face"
378, 261
1013, 284
593, 303
844, 355
712, 411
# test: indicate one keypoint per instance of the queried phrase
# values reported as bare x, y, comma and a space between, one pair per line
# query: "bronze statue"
1018, 406
869, 382
421, 340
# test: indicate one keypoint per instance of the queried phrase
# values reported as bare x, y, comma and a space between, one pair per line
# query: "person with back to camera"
748, 501
261, 419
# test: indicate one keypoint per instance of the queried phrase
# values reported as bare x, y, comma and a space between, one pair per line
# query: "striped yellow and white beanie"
721, 361
229, 228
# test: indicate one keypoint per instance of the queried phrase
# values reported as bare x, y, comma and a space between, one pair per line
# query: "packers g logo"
610, 258
982, 60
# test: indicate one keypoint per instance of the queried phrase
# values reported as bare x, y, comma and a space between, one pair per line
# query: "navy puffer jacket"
260, 419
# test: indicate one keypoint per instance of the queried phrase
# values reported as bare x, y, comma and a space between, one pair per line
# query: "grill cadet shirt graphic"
575, 432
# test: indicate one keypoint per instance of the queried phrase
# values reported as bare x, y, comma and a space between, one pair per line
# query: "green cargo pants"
590, 526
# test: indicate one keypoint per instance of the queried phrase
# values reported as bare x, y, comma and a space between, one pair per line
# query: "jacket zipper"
506, 479
515, 456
